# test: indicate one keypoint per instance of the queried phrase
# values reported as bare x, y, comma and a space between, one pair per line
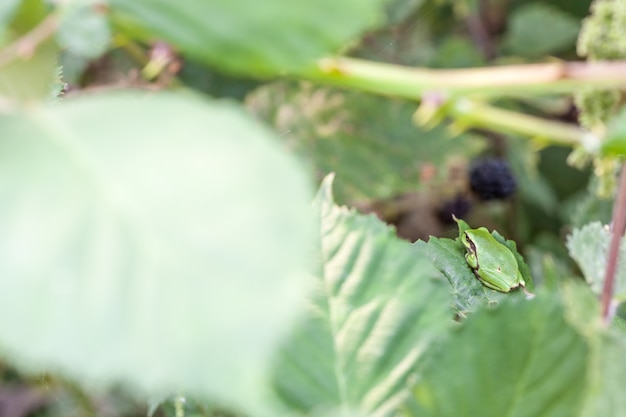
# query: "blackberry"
491, 179
459, 206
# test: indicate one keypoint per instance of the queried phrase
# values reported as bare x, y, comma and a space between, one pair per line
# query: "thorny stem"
26, 46
619, 226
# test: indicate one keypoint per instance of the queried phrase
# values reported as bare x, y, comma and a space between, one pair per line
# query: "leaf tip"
325, 192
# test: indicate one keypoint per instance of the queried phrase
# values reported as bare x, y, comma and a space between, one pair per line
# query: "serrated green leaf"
537, 29
468, 292
378, 306
589, 246
245, 37
83, 31
157, 240
522, 359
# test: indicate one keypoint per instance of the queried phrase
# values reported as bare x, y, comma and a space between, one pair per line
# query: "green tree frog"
493, 263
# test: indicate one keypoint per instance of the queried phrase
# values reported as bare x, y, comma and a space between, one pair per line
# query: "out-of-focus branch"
512, 80
25, 46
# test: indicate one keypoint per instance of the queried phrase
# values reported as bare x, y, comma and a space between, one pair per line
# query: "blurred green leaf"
83, 31
577, 8
589, 246
586, 207
547, 270
377, 308
245, 37
606, 398
457, 52
32, 78
533, 187
28, 77
141, 243
414, 47
564, 179
537, 29
615, 139
198, 77
370, 142
400, 10
28, 15
7, 9
522, 359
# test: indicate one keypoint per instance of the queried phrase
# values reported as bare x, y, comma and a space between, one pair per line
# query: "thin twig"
26, 46
619, 226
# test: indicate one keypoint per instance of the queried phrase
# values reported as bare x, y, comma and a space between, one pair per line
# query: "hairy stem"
618, 228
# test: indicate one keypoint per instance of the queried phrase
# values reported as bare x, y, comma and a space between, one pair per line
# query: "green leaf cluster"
377, 307
546, 356
538, 29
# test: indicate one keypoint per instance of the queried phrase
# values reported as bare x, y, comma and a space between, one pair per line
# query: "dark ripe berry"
459, 206
491, 179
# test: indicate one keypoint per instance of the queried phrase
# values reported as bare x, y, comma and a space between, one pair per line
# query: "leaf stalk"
618, 228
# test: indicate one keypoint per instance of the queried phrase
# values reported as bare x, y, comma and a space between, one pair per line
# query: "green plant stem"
618, 228
25, 47
469, 113
514, 80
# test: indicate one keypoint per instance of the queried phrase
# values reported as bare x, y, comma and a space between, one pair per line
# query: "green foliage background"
159, 252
